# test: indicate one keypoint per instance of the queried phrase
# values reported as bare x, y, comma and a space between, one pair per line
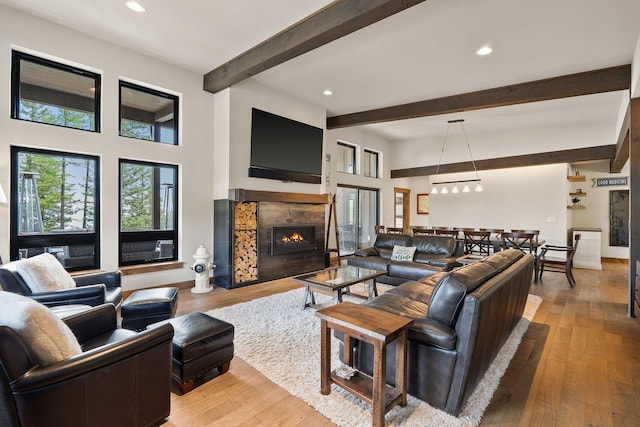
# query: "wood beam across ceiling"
622, 147
336, 20
585, 83
563, 156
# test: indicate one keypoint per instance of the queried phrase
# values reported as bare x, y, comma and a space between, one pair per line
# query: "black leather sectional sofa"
462, 318
433, 254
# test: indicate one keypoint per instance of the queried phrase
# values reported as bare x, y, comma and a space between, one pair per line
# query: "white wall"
194, 155
522, 198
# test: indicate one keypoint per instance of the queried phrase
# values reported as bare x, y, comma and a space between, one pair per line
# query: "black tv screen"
285, 149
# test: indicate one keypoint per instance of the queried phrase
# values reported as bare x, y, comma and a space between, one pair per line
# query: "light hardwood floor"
578, 364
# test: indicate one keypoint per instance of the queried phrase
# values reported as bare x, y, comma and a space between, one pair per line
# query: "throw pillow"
44, 273
47, 337
403, 253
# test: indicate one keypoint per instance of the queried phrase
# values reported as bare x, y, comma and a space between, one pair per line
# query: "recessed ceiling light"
328, 92
484, 50
135, 6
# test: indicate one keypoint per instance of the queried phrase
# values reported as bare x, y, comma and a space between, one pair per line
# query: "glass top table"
336, 280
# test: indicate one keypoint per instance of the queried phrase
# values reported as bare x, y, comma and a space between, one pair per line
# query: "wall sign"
609, 182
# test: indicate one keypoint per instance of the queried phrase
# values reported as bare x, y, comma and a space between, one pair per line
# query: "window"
370, 164
48, 92
357, 214
346, 158
148, 212
148, 114
55, 205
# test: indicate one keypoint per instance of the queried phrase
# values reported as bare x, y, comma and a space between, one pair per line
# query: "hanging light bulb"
444, 190
455, 189
478, 188
434, 190
466, 189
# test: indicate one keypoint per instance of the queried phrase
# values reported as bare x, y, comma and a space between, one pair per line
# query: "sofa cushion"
503, 259
371, 262
403, 253
434, 245
386, 241
399, 305
448, 294
413, 290
366, 252
411, 270
48, 338
44, 273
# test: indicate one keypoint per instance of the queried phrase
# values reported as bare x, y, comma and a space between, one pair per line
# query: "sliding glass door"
357, 210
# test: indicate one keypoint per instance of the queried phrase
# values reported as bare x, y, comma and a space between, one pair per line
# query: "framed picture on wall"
423, 203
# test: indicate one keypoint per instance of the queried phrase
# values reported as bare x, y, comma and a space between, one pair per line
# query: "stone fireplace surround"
272, 209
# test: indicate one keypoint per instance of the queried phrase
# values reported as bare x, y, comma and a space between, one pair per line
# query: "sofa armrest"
93, 360
448, 263
86, 295
367, 252
434, 333
110, 279
93, 322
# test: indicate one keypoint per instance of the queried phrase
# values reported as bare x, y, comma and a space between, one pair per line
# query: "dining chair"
526, 242
379, 229
446, 231
421, 230
477, 242
495, 238
395, 230
560, 261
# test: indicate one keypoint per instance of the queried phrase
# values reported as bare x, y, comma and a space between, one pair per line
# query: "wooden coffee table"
378, 328
336, 280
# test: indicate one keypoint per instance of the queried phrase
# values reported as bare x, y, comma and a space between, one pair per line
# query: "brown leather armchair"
92, 289
121, 378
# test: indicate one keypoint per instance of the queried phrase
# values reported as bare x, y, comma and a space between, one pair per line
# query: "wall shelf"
576, 178
576, 207
578, 194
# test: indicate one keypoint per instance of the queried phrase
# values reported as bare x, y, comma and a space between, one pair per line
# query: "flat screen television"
285, 149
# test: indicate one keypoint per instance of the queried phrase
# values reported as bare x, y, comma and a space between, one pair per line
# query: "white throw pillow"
44, 273
403, 253
48, 338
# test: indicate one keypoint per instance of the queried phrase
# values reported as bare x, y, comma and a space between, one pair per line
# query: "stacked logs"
246, 242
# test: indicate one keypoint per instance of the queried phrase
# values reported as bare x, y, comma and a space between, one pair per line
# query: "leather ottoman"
201, 343
148, 306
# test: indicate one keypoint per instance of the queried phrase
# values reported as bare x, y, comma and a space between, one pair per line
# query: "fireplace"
289, 239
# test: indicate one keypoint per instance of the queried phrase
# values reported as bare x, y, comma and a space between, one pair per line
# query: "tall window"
346, 158
357, 213
148, 212
54, 206
370, 164
148, 114
48, 92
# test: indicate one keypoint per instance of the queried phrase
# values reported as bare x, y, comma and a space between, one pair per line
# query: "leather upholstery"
125, 382
461, 320
200, 343
92, 289
148, 306
433, 254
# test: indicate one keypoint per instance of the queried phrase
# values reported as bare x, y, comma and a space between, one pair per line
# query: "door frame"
406, 207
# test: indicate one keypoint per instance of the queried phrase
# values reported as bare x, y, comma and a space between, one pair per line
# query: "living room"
214, 151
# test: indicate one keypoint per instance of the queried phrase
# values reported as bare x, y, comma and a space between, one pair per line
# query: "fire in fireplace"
292, 239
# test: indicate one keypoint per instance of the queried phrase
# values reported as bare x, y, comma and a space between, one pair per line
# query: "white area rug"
279, 339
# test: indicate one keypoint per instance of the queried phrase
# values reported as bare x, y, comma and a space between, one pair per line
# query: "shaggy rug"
282, 341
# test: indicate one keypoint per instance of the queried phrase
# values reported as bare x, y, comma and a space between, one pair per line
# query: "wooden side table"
378, 328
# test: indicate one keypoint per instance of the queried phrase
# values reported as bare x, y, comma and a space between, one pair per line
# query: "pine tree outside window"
148, 212
54, 206
53, 93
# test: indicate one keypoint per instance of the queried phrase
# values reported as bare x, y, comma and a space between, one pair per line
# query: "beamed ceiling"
401, 69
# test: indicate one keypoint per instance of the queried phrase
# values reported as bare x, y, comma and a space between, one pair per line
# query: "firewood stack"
246, 242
